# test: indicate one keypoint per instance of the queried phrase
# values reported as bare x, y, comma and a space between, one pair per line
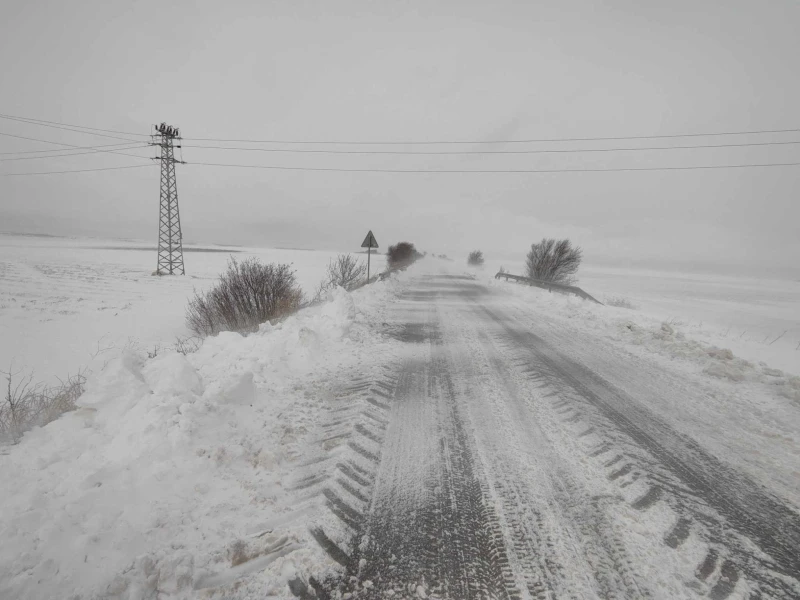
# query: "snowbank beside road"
637, 328
151, 487
745, 411
756, 318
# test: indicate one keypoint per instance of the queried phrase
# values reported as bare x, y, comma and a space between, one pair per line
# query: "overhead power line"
67, 150
420, 142
22, 137
65, 128
76, 170
71, 145
423, 171
69, 153
17, 117
526, 141
485, 152
119, 145
426, 171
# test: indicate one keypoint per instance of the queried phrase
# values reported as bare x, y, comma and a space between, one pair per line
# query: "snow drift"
150, 487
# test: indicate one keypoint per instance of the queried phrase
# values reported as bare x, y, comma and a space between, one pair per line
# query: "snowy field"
170, 478
73, 303
179, 476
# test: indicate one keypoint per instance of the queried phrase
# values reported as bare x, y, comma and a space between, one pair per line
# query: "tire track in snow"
453, 513
339, 470
731, 511
564, 541
431, 530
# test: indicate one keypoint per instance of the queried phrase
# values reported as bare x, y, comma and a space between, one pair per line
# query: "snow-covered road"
501, 456
434, 434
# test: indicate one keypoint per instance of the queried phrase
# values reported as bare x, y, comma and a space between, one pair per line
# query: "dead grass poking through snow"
27, 404
620, 302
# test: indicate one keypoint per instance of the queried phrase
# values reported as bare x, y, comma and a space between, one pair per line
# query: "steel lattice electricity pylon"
170, 241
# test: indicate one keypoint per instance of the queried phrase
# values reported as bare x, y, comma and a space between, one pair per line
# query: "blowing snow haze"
257, 410
379, 72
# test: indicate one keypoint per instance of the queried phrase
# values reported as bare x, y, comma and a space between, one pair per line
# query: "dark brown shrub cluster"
475, 258
401, 255
247, 294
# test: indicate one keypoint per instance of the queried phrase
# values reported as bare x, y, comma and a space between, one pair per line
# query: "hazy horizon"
361, 71
694, 268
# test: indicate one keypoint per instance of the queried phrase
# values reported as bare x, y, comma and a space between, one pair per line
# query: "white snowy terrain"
203, 475
174, 469
97, 297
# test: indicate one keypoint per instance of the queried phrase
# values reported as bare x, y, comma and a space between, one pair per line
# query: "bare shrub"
553, 260
27, 404
344, 271
620, 302
475, 258
247, 294
187, 345
401, 255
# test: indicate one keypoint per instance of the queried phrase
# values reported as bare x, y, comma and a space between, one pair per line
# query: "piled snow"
73, 303
152, 487
756, 318
672, 339
637, 328
746, 411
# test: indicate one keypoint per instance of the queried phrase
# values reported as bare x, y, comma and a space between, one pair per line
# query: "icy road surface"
500, 457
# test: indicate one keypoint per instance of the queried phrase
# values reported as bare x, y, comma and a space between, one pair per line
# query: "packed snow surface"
176, 477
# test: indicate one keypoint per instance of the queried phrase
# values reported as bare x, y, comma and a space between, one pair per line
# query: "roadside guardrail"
549, 286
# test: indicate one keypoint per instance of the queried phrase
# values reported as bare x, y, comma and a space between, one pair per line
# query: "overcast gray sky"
426, 70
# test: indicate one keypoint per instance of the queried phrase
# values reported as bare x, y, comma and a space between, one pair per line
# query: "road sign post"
369, 243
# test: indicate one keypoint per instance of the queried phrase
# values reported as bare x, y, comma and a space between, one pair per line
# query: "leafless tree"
344, 271
553, 260
247, 294
475, 258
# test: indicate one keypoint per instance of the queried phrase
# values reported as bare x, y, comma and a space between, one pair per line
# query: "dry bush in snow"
187, 345
247, 294
344, 271
475, 258
401, 255
620, 302
27, 404
553, 260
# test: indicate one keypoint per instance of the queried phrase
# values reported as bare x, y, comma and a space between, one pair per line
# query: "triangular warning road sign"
369, 241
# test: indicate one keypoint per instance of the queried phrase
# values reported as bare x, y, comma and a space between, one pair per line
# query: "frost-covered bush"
553, 260
619, 302
247, 294
475, 258
344, 271
26, 405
